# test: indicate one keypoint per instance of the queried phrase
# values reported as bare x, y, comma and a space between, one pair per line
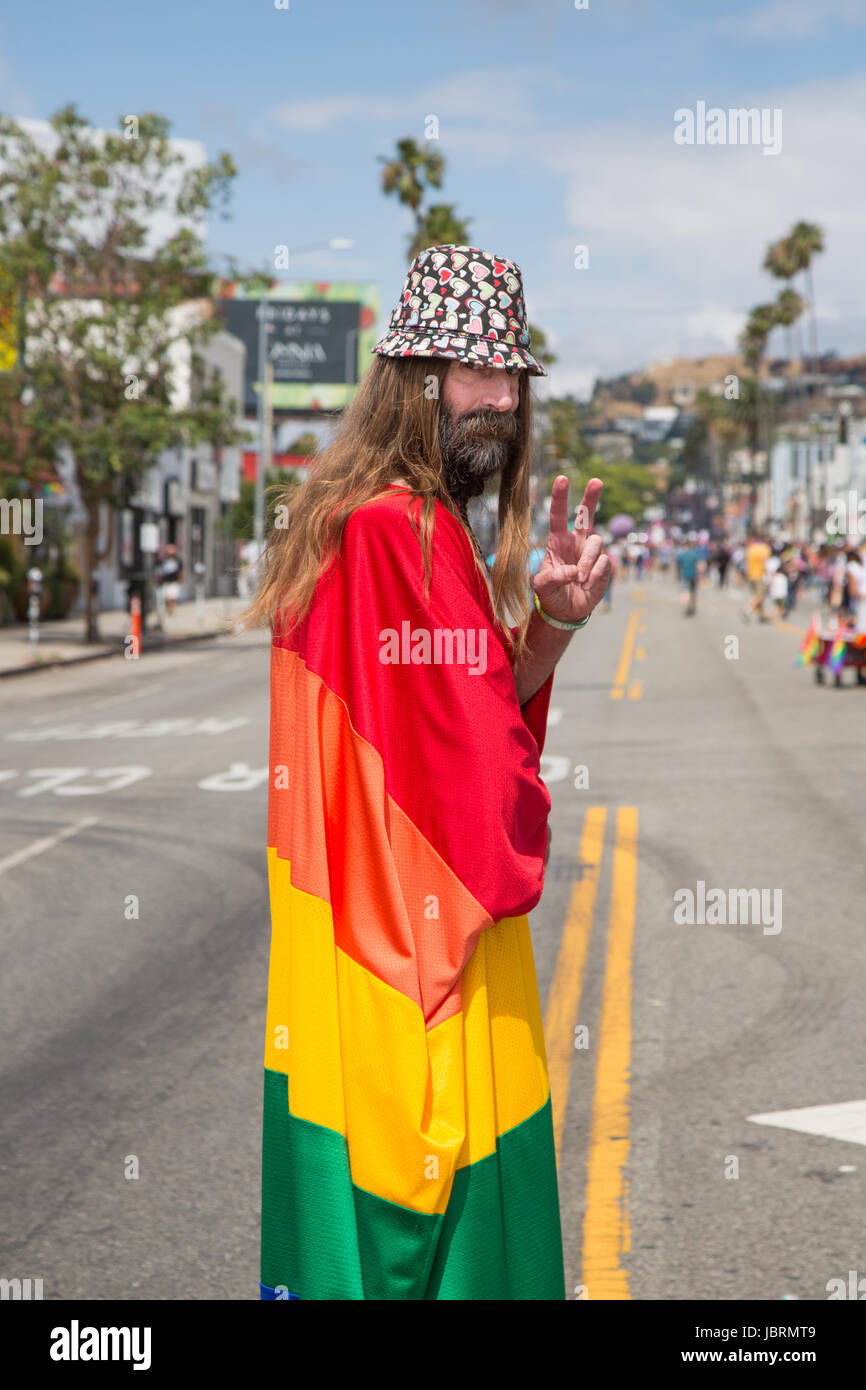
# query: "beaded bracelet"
555, 622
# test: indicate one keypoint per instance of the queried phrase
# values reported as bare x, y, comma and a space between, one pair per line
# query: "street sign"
148, 534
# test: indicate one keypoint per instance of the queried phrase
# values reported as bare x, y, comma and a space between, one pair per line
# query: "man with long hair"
408, 1145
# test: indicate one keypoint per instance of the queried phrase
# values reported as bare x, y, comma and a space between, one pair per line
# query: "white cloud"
566, 380
677, 234
319, 113
716, 323
478, 92
796, 19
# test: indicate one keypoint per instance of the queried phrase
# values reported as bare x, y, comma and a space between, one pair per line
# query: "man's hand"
575, 570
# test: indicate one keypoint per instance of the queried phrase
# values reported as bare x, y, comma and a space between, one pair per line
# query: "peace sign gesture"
575, 570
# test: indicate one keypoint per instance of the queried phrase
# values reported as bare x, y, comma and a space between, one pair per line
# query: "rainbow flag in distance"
836, 656
407, 1141
810, 645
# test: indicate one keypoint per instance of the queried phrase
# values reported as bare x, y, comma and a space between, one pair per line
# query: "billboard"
320, 337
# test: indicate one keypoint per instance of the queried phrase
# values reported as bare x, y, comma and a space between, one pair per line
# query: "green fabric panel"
398, 1247
324, 1238
309, 1237
502, 1237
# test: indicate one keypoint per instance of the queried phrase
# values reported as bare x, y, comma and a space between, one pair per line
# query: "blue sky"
557, 129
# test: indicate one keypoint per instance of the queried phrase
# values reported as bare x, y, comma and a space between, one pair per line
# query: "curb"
152, 644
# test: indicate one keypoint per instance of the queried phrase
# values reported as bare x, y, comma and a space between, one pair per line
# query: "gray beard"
474, 448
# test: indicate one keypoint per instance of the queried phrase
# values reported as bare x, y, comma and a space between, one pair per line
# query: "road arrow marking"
846, 1121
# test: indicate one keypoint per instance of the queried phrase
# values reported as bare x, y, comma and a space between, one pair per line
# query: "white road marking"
48, 842
127, 695
554, 714
846, 1120
240, 778
129, 728
55, 779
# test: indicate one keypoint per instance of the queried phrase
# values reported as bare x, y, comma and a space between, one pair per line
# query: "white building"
809, 474
188, 494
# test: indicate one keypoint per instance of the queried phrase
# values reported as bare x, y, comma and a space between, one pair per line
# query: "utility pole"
263, 421
265, 411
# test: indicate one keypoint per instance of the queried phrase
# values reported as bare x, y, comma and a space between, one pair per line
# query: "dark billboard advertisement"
316, 336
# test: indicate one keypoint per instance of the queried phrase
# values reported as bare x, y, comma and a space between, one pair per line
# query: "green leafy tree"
306, 443
628, 487
565, 432
99, 310
540, 351
242, 513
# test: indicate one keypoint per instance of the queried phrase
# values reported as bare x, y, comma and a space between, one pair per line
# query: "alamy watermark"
846, 516
716, 907
20, 1289
443, 646
855, 1288
77, 1343
739, 125
17, 518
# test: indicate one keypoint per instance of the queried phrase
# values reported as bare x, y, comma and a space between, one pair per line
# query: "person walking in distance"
170, 576
757, 554
407, 1140
691, 567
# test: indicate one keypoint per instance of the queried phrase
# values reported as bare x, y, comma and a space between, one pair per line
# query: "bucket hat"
465, 303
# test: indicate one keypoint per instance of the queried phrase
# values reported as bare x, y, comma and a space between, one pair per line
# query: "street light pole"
259, 503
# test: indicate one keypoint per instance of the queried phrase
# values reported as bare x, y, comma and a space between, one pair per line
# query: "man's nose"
501, 396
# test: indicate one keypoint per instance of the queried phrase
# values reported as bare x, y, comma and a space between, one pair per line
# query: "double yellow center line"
629, 651
606, 1228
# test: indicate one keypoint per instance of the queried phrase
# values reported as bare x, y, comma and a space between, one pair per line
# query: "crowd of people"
776, 573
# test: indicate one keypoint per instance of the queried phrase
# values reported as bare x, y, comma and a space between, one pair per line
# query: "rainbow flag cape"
810, 645
408, 1145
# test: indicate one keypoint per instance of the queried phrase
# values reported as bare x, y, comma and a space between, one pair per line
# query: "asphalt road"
135, 933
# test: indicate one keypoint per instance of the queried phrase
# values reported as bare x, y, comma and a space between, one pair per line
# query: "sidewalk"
63, 642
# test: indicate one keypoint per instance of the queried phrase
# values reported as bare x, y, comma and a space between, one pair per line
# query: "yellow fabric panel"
415, 1104
506, 1075
405, 1106
303, 998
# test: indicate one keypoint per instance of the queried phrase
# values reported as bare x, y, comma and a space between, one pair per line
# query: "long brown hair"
390, 429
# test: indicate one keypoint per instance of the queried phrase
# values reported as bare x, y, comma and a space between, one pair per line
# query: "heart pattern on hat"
476, 316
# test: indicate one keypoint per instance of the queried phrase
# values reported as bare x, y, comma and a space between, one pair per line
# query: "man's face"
477, 420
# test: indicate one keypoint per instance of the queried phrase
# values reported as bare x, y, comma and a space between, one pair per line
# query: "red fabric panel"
458, 757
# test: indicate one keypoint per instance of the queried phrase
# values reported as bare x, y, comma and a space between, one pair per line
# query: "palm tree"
753, 344
406, 177
781, 262
404, 174
789, 309
807, 240
439, 226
